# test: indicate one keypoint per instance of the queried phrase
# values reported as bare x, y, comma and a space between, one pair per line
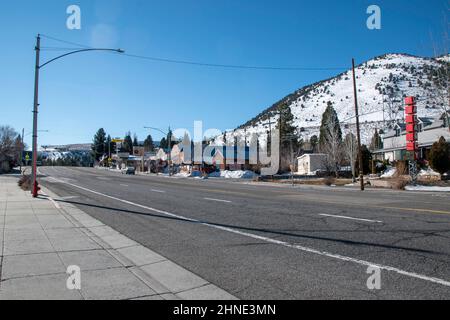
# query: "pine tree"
330, 141
163, 144
135, 141
98, 144
127, 145
330, 126
314, 142
148, 144
376, 142
440, 156
289, 138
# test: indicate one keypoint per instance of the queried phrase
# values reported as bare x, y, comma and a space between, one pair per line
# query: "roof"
312, 155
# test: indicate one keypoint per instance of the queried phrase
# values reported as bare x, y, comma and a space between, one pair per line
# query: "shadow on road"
276, 232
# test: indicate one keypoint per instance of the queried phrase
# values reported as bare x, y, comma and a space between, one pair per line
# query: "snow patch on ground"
427, 188
233, 174
428, 172
389, 173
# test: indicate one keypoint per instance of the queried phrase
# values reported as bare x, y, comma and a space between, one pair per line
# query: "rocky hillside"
382, 84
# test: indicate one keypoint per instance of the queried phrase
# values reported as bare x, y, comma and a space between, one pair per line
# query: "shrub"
329, 181
402, 168
399, 183
25, 182
440, 156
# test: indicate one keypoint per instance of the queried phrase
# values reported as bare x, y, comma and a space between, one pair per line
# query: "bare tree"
350, 148
332, 146
8, 147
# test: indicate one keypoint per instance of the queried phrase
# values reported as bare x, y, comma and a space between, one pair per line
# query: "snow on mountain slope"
382, 83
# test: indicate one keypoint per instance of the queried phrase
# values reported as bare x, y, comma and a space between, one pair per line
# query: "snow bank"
389, 173
233, 174
426, 188
428, 172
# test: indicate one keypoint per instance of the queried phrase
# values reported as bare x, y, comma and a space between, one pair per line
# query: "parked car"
129, 170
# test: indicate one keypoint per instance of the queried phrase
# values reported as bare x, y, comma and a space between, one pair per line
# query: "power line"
202, 64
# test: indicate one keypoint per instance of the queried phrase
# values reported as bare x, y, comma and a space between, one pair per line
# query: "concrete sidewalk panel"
31, 265
16, 247
90, 260
174, 277
140, 255
112, 284
50, 287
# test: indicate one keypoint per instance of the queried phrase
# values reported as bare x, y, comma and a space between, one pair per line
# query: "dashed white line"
274, 241
217, 200
349, 218
157, 191
124, 185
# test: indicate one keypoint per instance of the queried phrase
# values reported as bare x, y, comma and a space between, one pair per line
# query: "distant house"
394, 140
231, 158
309, 164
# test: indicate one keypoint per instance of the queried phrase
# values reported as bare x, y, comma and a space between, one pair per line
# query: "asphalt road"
269, 242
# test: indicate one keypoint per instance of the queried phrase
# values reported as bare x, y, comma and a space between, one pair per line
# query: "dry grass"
25, 183
399, 183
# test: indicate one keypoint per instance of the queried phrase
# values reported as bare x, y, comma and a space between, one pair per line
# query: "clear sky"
84, 92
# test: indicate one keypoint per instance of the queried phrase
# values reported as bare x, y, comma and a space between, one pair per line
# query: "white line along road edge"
273, 241
349, 218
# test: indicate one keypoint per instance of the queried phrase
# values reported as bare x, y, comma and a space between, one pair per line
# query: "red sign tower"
412, 144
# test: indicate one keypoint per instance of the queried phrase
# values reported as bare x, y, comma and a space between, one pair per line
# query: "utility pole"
169, 157
358, 132
35, 114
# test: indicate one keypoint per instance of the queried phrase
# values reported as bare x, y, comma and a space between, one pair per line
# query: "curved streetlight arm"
78, 51
165, 133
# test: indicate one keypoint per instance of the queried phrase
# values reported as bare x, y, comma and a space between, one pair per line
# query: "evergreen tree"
376, 142
148, 144
108, 145
440, 156
314, 142
330, 126
330, 141
98, 144
127, 145
163, 144
135, 141
289, 138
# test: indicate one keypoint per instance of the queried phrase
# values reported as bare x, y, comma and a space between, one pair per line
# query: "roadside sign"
117, 140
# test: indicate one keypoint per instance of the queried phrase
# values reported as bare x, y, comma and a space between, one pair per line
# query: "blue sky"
84, 92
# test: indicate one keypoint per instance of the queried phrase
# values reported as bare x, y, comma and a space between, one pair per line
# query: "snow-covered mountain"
382, 83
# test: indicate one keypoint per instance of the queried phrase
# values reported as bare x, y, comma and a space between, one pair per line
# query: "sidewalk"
40, 238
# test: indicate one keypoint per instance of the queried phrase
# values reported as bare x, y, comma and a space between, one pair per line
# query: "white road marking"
68, 198
54, 202
157, 191
274, 241
349, 218
217, 200
124, 185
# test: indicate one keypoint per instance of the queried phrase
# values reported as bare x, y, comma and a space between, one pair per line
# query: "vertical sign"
412, 145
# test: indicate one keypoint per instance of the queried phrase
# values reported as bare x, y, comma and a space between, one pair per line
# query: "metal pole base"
35, 189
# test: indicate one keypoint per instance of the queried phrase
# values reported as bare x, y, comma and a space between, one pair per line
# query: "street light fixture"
36, 99
169, 136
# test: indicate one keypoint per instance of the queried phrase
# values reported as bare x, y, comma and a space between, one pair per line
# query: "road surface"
269, 242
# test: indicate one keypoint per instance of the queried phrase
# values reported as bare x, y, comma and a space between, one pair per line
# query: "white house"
309, 164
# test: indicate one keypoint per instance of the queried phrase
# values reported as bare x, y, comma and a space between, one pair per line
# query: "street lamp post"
169, 136
38, 66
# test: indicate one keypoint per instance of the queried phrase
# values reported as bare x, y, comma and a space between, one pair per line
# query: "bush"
329, 181
399, 183
402, 168
25, 183
440, 156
